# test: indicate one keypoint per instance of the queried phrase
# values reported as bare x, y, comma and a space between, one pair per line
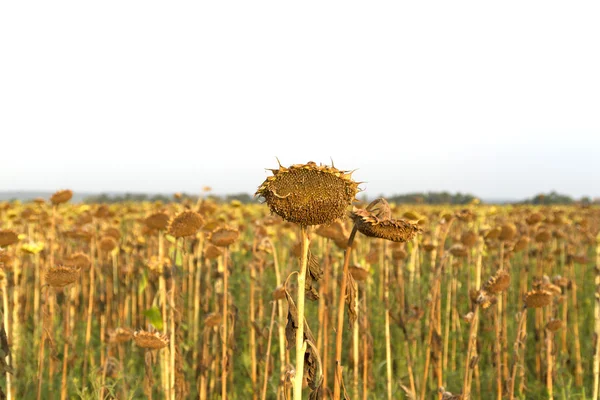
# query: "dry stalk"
471, 356
519, 344
300, 345
596, 366
268, 356
340, 318
386, 301
575, 326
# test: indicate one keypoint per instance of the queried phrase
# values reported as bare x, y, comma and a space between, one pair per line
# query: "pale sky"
499, 99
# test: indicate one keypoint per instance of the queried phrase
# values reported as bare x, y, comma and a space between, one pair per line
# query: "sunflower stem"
224, 356
300, 346
340, 319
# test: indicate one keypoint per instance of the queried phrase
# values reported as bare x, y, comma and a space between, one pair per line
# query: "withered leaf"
314, 273
380, 208
314, 267
292, 324
312, 361
292, 321
4, 341
316, 394
313, 367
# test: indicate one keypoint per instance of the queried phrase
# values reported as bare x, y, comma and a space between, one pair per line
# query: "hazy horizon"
30, 195
499, 100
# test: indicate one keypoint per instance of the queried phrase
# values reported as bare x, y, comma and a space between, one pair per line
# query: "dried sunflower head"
102, 211
8, 237
78, 260
223, 237
108, 244
458, 250
521, 244
497, 283
468, 239
149, 340
62, 196
309, 194
554, 324
211, 252
61, 275
507, 232
186, 223
396, 230
158, 221
543, 236
538, 298
120, 335
534, 218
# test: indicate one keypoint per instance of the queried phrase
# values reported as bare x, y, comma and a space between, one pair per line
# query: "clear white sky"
500, 99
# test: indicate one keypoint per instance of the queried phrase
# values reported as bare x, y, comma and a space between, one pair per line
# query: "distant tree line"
409, 198
432, 198
558, 198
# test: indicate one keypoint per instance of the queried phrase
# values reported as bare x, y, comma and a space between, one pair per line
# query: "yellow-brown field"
153, 300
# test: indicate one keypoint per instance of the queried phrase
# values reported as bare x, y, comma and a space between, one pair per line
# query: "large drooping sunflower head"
309, 194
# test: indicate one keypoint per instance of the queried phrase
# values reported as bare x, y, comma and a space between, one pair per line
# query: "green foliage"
154, 317
549, 199
432, 198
